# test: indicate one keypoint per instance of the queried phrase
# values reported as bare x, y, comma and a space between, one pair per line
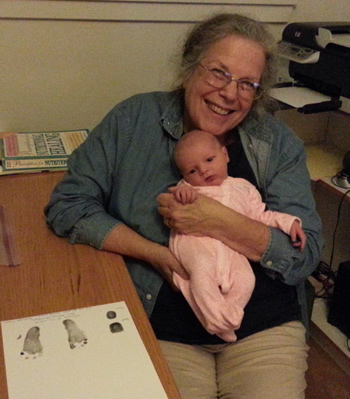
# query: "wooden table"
56, 276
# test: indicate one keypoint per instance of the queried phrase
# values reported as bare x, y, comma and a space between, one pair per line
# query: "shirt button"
148, 297
269, 263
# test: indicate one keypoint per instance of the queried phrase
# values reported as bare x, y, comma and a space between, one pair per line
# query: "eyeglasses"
218, 78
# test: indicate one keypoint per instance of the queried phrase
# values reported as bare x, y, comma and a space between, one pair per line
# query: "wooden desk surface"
56, 276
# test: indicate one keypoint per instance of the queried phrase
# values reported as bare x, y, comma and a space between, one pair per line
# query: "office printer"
319, 59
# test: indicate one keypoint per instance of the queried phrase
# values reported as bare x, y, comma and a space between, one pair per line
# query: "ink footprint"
76, 337
32, 346
114, 327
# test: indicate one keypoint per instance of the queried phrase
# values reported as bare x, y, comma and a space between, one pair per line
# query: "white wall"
68, 74
66, 63
321, 10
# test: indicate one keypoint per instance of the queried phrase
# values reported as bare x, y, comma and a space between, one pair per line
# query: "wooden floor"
327, 378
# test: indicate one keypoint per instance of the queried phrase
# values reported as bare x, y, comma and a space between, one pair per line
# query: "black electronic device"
339, 309
327, 73
319, 59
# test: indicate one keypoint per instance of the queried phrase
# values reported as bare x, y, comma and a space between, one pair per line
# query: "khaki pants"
268, 365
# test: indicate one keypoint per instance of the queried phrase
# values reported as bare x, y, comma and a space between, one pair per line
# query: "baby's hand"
185, 194
297, 235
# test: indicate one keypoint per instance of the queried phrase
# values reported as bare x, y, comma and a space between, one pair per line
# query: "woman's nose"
230, 91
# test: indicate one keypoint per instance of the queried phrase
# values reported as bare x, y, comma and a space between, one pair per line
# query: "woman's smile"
217, 109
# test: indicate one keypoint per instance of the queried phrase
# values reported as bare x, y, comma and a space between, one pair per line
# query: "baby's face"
203, 162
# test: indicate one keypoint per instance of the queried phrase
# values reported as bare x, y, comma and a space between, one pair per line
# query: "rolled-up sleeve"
282, 260
93, 230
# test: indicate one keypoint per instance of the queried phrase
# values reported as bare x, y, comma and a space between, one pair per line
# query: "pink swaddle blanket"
221, 279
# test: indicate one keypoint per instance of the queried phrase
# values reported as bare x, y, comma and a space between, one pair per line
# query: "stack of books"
29, 152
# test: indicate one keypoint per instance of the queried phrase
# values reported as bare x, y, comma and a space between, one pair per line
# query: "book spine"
42, 164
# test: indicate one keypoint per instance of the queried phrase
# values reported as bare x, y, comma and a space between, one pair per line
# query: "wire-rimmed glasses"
218, 78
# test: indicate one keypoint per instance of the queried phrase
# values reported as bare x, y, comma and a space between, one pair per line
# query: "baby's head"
201, 159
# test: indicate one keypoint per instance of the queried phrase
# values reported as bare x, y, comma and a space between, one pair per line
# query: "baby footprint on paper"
76, 337
32, 346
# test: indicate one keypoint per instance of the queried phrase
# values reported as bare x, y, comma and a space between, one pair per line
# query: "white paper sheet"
297, 97
85, 353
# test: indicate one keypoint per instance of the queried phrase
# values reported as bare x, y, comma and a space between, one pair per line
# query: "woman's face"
217, 111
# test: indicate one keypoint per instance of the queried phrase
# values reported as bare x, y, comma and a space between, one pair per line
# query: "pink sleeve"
257, 211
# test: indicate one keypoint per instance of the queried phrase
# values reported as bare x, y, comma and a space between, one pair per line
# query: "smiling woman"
219, 111
118, 192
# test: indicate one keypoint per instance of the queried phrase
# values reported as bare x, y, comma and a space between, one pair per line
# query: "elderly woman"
108, 199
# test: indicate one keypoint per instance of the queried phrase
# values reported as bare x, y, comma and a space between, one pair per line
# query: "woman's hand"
125, 241
208, 217
163, 260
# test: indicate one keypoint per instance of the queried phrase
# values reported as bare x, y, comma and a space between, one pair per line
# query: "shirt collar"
172, 118
255, 125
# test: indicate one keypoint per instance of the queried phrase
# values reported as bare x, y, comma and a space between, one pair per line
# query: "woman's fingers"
165, 262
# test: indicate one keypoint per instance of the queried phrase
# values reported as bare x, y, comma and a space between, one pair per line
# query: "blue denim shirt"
116, 175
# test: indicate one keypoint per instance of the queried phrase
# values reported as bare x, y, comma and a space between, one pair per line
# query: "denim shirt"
116, 175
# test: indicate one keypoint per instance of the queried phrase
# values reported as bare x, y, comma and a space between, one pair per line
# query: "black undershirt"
272, 302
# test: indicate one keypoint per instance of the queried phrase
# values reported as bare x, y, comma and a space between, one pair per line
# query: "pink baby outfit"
221, 279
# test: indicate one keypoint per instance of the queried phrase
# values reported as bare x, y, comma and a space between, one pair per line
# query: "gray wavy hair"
215, 28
